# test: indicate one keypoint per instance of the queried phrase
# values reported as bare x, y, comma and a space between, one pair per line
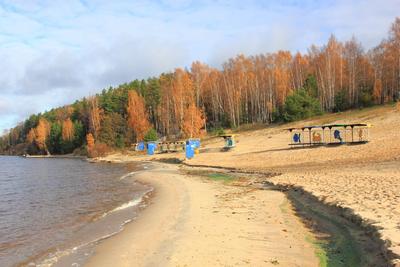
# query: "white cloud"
54, 51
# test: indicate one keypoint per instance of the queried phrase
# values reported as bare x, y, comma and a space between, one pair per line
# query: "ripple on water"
53, 205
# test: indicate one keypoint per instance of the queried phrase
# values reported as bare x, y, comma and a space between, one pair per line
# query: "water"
55, 210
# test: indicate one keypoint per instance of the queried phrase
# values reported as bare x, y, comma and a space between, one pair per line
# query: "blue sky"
53, 52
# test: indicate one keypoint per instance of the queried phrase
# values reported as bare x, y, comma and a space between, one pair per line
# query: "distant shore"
69, 156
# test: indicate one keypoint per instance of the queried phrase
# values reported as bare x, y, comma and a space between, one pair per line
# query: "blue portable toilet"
140, 146
151, 147
189, 150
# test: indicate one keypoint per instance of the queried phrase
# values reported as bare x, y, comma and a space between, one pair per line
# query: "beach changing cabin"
330, 134
230, 141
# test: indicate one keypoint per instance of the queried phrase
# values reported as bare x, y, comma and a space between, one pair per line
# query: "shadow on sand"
343, 238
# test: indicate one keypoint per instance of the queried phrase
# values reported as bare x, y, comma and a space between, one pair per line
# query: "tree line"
247, 89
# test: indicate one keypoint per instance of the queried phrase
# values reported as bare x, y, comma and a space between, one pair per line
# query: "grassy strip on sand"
338, 242
221, 177
212, 175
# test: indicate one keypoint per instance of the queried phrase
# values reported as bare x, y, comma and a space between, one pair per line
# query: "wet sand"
192, 221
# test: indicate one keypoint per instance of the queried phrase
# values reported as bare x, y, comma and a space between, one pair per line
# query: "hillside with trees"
263, 88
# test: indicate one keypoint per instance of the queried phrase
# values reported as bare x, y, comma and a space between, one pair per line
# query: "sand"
364, 179
192, 221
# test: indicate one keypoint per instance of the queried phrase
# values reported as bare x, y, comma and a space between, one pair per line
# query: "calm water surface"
50, 208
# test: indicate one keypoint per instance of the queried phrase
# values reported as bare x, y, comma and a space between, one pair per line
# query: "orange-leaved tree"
67, 130
90, 143
137, 115
183, 94
95, 114
377, 93
31, 136
42, 132
193, 121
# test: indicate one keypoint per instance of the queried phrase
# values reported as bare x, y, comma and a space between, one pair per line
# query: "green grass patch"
320, 251
215, 176
338, 248
220, 177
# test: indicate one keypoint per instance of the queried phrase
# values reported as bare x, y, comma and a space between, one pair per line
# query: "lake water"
54, 211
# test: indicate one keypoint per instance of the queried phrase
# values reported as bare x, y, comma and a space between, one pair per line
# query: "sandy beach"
191, 221
362, 179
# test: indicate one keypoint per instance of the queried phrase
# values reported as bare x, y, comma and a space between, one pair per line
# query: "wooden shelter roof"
329, 126
227, 135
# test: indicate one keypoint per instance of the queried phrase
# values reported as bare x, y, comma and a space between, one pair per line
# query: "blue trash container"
140, 146
151, 147
189, 150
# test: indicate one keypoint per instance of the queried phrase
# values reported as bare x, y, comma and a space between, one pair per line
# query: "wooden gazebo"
330, 134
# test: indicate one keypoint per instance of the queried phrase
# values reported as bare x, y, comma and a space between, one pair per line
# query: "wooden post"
352, 133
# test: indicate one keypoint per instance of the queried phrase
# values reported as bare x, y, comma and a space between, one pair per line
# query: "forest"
263, 88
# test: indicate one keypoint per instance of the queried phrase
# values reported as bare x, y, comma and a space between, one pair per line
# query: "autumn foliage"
95, 114
95, 149
31, 137
42, 132
67, 130
246, 89
193, 121
137, 115
90, 144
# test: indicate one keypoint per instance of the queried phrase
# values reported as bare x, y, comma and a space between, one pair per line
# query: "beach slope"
192, 221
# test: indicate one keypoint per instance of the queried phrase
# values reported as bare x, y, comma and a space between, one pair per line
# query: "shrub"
277, 114
218, 131
340, 101
151, 135
80, 151
300, 105
365, 99
311, 86
98, 150
120, 142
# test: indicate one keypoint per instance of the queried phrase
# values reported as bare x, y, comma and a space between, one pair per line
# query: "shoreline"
316, 223
316, 218
75, 250
194, 221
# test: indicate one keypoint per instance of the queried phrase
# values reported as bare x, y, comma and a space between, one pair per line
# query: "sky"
53, 52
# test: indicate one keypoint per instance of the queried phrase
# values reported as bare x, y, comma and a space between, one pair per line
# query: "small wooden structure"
230, 141
330, 134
